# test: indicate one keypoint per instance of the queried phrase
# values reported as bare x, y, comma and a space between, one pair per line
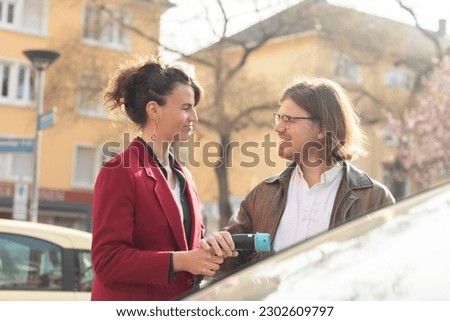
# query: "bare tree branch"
247, 52
426, 33
245, 115
151, 38
225, 18
207, 123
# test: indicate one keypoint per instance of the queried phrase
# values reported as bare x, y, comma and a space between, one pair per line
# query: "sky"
185, 28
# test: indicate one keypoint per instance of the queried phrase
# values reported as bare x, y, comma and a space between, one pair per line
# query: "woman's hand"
197, 262
220, 243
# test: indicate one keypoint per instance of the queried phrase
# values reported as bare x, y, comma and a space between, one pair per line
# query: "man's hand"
221, 243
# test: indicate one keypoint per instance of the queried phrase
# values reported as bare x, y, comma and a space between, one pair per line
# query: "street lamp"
40, 59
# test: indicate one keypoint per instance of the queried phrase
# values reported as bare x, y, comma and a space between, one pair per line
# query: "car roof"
395, 253
61, 236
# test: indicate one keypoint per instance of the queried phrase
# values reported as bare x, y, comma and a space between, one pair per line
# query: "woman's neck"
161, 149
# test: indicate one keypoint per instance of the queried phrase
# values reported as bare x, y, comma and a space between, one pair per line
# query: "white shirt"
177, 195
308, 210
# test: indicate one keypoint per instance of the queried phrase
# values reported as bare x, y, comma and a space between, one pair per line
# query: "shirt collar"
326, 178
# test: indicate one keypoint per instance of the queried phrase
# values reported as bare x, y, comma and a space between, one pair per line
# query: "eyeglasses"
289, 119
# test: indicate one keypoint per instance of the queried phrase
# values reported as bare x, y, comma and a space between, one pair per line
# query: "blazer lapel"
163, 193
171, 211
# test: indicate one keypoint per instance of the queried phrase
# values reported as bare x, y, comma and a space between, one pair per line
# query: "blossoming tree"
422, 133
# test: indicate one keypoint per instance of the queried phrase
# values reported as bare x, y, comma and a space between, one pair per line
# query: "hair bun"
152, 67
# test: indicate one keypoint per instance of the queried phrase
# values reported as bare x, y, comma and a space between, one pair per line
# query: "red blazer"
136, 224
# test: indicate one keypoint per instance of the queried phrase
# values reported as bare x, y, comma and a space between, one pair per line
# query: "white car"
44, 262
400, 252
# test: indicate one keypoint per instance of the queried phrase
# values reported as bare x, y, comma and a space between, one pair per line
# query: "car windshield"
396, 253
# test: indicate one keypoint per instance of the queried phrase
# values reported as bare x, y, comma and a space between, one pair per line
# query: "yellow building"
375, 59
92, 38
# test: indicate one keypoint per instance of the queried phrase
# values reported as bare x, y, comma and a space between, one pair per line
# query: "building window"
22, 166
399, 78
346, 69
17, 83
16, 166
89, 96
106, 27
24, 15
88, 160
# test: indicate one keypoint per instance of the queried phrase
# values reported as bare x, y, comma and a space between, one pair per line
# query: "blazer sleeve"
114, 256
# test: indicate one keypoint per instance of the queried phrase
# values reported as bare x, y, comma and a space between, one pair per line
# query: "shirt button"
352, 197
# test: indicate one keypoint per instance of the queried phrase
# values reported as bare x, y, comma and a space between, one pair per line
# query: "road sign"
20, 201
47, 119
16, 145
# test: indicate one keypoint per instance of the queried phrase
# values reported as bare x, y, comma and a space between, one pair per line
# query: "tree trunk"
222, 179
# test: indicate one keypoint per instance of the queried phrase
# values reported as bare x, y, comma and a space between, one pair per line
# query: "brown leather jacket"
262, 208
